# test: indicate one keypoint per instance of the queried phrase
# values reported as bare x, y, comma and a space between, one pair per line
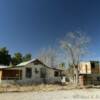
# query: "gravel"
82, 94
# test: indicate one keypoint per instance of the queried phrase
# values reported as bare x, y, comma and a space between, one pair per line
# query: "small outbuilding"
89, 73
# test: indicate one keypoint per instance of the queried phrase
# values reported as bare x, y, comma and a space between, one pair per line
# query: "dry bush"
35, 87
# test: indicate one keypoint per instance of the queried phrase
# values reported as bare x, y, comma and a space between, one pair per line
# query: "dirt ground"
48, 92
81, 94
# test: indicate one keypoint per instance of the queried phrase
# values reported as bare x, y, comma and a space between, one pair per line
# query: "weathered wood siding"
36, 78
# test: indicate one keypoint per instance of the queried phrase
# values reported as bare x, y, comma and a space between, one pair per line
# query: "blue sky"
29, 25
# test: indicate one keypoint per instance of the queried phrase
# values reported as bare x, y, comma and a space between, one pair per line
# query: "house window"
28, 72
42, 72
56, 73
93, 65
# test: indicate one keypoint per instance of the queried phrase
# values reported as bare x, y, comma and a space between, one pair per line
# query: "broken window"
56, 73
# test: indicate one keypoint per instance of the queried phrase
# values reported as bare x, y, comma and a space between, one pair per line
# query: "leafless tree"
48, 56
75, 44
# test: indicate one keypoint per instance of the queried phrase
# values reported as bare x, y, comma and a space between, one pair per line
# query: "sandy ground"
82, 94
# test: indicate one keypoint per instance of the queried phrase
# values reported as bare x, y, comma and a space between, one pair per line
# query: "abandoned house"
33, 71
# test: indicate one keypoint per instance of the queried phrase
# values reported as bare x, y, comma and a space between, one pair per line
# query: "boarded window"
28, 72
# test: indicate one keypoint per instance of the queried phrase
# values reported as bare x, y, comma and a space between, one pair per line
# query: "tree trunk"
76, 76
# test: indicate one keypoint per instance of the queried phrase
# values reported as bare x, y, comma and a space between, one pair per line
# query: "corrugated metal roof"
26, 62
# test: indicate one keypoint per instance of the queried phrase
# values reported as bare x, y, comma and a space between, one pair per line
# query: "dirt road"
84, 94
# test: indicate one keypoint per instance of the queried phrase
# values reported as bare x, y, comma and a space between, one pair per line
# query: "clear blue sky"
29, 25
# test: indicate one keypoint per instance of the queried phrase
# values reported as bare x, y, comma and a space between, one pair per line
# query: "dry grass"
35, 87
39, 87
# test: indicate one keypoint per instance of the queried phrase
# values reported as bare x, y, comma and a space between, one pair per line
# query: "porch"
10, 74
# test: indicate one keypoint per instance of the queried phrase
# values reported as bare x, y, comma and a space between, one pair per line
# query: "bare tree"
75, 44
48, 56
